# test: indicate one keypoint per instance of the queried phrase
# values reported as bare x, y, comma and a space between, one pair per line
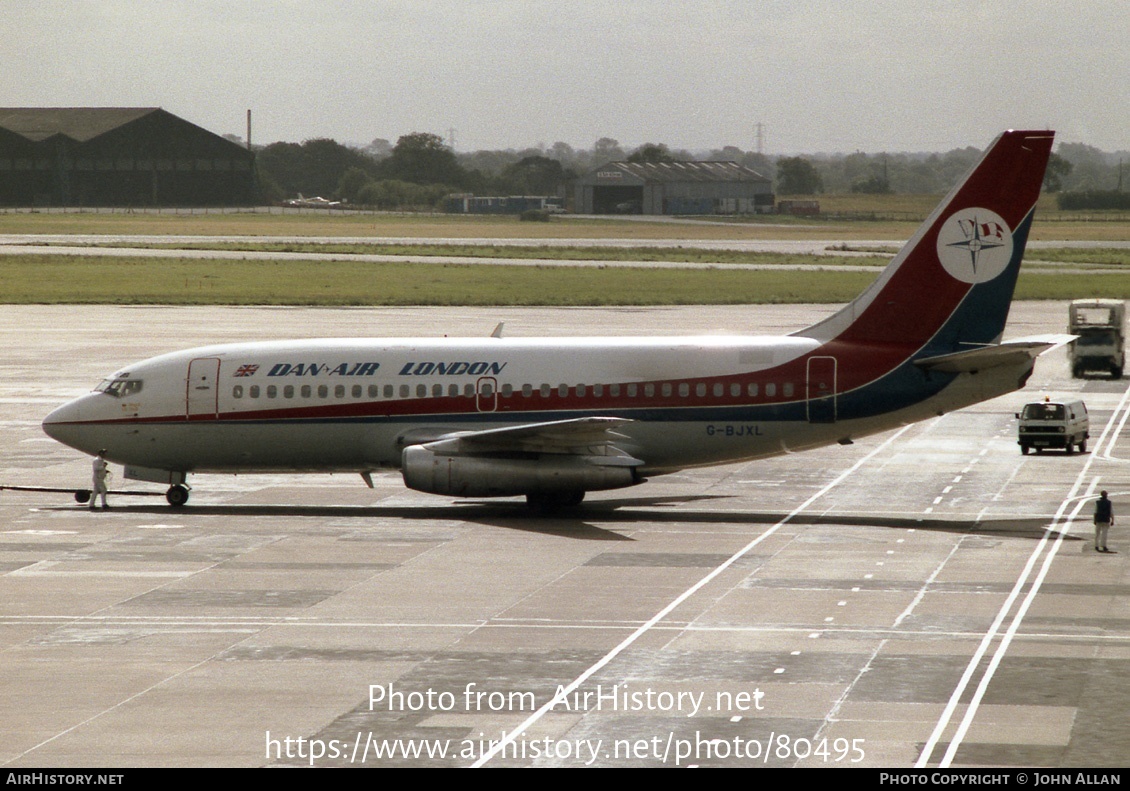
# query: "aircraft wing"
592, 438
1006, 353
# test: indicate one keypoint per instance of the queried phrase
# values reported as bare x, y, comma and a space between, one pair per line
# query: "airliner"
553, 419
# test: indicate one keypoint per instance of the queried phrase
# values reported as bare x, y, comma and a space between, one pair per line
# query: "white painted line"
1014, 626
1109, 436
833, 713
39, 532
31, 572
925, 586
564, 692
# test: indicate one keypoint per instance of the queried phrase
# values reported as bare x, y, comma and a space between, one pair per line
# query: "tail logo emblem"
975, 245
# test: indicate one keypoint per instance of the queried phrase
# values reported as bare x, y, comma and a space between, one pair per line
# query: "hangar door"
617, 200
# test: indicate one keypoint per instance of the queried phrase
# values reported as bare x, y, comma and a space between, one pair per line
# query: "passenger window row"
666, 390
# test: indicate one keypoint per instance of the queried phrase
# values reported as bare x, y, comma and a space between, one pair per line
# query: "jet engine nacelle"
475, 476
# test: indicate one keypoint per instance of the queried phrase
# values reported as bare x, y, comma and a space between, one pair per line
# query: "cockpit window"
120, 387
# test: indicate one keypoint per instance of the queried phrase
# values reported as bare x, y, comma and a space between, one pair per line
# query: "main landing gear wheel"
177, 495
551, 502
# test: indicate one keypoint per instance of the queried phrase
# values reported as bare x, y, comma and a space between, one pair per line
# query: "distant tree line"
420, 168
1093, 199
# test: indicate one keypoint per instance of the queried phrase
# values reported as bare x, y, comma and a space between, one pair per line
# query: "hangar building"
673, 188
118, 156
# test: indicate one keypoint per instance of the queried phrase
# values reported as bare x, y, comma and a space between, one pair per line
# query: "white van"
1054, 424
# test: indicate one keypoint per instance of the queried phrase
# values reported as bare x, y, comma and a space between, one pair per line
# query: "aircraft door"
486, 394
821, 390
202, 392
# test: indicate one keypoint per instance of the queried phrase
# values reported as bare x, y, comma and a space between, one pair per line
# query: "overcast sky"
826, 75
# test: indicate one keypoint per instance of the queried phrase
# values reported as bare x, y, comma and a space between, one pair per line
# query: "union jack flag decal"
246, 370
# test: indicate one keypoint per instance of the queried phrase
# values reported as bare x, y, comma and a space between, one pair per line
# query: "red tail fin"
952, 283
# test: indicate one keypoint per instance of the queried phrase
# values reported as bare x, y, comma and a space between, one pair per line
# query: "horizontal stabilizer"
1007, 353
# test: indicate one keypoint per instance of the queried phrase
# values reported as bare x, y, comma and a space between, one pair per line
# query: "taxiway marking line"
513, 735
1109, 436
1014, 626
208, 625
114, 707
1110, 445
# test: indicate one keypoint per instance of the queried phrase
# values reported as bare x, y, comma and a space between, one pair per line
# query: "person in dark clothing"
1104, 518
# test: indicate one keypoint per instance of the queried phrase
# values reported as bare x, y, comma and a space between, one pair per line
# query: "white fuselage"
354, 405
555, 418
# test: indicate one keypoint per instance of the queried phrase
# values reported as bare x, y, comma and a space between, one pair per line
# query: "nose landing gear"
177, 495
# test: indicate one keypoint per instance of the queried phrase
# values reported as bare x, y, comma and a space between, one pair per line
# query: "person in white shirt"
100, 474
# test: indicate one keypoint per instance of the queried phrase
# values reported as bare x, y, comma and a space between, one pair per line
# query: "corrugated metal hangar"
673, 188
118, 156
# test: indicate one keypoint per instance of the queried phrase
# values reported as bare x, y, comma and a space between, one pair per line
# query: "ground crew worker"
1104, 518
98, 484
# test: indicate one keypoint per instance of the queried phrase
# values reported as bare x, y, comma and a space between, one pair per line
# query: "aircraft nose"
57, 418
66, 424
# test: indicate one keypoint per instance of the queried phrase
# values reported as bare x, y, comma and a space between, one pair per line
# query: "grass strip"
880, 254
871, 217
38, 279
680, 254
1100, 256
45, 279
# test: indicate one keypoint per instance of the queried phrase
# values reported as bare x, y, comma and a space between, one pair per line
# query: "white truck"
1099, 324
1054, 424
